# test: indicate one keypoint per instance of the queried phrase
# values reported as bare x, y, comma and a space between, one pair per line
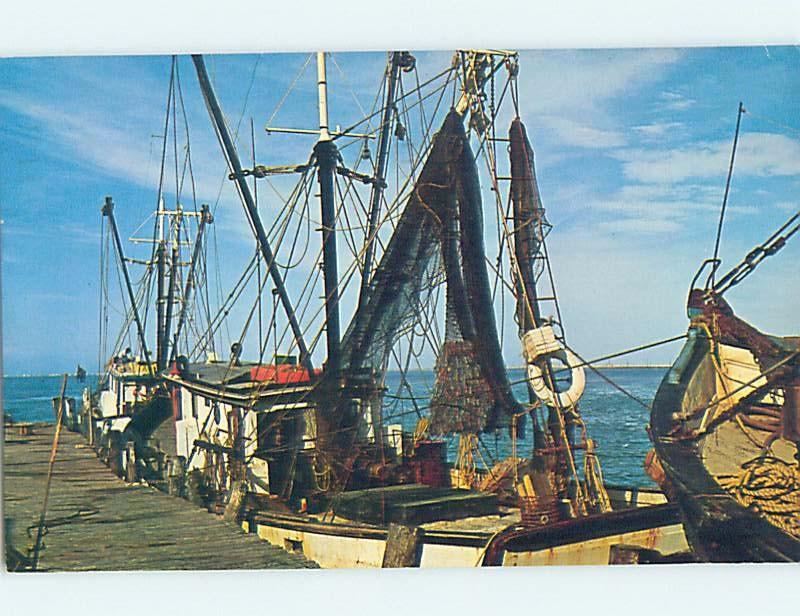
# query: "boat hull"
591, 541
718, 528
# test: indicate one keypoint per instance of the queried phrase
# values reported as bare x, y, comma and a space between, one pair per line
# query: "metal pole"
161, 261
108, 210
229, 149
380, 172
322, 97
205, 218
715, 264
170, 301
326, 153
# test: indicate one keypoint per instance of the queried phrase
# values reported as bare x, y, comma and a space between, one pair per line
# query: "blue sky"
632, 149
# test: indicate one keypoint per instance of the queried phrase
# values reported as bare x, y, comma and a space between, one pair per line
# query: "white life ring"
564, 399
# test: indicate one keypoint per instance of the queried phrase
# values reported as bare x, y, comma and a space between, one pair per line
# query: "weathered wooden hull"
717, 526
590, 541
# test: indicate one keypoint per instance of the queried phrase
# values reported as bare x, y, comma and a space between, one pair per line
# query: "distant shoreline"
598, 366
618, 367
46, 376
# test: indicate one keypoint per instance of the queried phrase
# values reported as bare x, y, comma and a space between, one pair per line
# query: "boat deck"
731, 445
95, 521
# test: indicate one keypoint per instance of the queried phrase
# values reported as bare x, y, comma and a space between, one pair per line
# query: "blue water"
30, 398
614, 421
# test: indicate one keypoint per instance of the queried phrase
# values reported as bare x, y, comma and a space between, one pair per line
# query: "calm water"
614, 421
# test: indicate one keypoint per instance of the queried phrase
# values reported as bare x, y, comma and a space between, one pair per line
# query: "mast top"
322, 92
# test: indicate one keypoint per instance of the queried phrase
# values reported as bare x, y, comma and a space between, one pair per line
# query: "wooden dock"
96, 521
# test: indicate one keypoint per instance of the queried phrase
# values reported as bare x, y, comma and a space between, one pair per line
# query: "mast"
175, 231
235, 166
161, 267
108, 211
170, 303
160, 283
398, 59
205, 218
326, 153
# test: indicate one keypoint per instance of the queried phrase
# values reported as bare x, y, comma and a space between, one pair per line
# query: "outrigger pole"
327, 154
400, 59
205, 218
108, 211
235, 166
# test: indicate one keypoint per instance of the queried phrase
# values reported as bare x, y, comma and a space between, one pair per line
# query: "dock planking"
97, 522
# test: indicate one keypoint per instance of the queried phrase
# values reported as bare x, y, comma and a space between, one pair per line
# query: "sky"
632, 150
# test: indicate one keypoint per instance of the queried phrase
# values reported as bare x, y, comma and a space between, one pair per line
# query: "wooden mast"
108, 211
326, 153
235, 166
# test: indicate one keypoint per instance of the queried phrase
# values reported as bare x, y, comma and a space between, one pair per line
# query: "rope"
608, 380
771, 487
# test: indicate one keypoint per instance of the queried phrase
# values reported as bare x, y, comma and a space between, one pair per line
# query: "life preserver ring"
564, 399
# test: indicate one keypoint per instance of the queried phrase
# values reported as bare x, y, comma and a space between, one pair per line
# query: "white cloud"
567, 92
641, 225
662, 208
573, 133
575, 82
657, 129
758, 154
675, 101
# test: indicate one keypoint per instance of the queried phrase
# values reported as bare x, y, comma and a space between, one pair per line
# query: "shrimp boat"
125, 416
726, 427
337, 444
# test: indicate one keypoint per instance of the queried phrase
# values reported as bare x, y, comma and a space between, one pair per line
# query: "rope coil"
771, 487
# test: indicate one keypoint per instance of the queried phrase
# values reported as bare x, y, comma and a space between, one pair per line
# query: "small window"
194, 406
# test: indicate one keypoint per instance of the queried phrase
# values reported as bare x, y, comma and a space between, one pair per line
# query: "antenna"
715, 258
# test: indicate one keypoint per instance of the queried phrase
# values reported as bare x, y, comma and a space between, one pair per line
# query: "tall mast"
108, 211
326, 154
235, 166
205, 218
161, 267
173, 273
398, 59
161, 300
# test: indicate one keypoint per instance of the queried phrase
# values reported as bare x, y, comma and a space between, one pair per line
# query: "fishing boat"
335, 449
124, 417
725, 423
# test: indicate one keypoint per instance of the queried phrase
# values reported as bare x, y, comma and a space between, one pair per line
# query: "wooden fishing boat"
726, 428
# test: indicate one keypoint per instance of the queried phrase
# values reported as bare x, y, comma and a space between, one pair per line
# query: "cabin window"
194, 406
